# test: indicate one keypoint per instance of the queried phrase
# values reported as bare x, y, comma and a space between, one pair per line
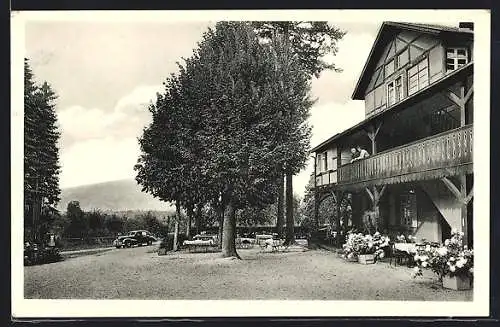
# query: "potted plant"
351, 246
453, 262
365, 249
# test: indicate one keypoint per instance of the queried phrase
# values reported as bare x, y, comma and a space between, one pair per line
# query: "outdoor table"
199, 244
409, 248
262, 237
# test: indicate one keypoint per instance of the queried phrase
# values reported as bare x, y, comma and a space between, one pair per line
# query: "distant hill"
121, 195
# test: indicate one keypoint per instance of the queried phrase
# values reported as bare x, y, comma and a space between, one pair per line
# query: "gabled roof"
385, 33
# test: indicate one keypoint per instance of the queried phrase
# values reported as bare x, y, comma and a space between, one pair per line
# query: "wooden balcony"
445, 154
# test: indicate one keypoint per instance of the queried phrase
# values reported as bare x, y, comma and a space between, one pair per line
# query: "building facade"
417, 85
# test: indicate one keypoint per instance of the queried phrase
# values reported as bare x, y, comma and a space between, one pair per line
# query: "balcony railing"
452, 148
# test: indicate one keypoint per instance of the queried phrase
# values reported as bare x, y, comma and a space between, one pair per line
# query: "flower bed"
451, 260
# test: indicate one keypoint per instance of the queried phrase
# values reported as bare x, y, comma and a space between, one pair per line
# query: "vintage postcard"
250, 163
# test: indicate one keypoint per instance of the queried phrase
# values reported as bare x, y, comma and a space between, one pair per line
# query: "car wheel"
128, 244
118, 246
150, 242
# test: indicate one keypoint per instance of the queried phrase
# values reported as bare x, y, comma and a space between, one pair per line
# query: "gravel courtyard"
138, 273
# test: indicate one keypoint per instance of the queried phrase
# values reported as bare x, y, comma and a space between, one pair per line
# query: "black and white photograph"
250, 163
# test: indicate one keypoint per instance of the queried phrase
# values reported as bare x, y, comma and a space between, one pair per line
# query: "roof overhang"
448, 80
385, 34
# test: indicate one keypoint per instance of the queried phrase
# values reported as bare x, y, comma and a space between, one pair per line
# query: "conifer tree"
41, 153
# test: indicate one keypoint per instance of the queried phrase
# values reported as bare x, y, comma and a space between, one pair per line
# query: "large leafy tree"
310, 42
41, 154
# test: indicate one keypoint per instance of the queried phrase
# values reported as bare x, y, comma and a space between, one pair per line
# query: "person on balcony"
354, 154
363, 154
360, 152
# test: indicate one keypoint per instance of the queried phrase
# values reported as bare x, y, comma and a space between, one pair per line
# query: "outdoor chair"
399, 257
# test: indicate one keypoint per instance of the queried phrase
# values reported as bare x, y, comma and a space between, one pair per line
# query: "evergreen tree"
41, 154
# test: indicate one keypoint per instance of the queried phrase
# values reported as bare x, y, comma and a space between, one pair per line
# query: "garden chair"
399, 257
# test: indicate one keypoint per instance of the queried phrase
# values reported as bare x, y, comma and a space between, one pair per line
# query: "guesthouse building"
417, 86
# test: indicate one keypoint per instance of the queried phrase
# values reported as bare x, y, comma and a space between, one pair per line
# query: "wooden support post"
375, 195
372, 135
338, 202
462, 105
463, 194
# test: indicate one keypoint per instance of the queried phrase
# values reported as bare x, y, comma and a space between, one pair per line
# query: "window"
395, 91
402, 58
408, 207
418, 76
455, 58
318, 163
325, 162
322, 164
389, 68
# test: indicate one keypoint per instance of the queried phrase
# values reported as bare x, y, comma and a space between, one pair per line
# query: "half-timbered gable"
406, 58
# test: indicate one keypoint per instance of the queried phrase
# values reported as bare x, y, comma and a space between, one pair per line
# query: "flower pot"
352, 259
457, 283
366, 259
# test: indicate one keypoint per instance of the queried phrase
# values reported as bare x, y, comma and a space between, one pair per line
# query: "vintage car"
135, 237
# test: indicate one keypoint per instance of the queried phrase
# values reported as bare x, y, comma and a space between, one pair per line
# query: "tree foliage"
41, 154
227, 124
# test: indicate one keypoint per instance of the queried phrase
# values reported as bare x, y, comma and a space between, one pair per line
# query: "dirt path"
137, 273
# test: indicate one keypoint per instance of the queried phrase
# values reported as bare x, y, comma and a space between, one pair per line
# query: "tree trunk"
189, 220
198, 218
229, 233
281, 218
220, 211
176, 225
290, 238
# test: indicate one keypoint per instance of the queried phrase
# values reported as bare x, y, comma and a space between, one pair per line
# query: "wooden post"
464, 218
372, 134
338, 202
375, 195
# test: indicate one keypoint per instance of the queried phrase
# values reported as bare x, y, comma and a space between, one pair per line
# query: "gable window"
455, 58
389, 68
395, 91
418, 76
402, 58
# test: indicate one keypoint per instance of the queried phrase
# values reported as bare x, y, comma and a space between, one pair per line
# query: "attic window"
456, 58
389, 68
418, 76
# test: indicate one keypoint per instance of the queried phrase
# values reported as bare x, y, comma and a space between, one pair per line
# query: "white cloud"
104, 144
98, 160
138, 99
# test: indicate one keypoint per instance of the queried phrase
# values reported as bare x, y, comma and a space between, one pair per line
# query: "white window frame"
417, 74
396, 95
455, 57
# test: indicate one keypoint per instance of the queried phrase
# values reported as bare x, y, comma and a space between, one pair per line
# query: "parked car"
135, 237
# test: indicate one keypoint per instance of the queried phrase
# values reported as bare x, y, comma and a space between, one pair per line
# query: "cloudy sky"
105, 73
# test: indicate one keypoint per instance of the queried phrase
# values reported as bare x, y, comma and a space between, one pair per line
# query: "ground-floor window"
408, 207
